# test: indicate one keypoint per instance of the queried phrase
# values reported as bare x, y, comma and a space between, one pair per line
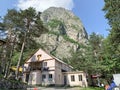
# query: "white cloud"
41, 5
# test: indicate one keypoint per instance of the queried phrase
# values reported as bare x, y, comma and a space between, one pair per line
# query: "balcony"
44, 68
26, 69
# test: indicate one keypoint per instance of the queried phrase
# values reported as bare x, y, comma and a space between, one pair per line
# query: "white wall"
44, 56
34, 77
59, 77
48, 81
82, 83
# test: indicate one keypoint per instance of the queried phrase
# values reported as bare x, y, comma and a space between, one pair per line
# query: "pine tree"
25, 25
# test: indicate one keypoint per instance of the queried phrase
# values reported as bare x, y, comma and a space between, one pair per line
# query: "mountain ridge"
66, 32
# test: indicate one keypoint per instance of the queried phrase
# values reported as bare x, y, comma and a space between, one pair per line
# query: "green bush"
67, 38
54, 23
53, 32
75, 27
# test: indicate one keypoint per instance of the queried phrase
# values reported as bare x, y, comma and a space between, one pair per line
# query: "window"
44, 64
80, 77
50, 77
72, 78
43, 77
39, 56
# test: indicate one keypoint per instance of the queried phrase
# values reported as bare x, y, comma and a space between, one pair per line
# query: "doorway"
27, 77
65, 80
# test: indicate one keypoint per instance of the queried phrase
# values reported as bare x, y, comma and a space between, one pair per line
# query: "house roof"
2, 42
74, 72
50, 57
33, 57
61, 61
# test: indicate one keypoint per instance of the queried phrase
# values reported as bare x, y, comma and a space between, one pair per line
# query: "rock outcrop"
66, 32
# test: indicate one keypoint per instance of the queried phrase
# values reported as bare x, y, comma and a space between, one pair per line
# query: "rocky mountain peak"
58, 13
66, 32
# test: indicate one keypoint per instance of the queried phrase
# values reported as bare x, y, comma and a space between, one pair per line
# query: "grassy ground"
92, 88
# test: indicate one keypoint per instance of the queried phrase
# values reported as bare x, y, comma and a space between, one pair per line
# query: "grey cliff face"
66, 32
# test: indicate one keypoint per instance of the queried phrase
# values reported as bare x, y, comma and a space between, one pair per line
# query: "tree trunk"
6, 56
20, 58
1, 58
12, 43
22, 49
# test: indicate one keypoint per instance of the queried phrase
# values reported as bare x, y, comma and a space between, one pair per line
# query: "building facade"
45, 69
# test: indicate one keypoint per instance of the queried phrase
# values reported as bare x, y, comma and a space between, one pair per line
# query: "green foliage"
76, 18
53, 32
78, 61
54, 23
94, 53
112, 50
74, 27
26, 54
88, 58
24, 21
112, 11
67, 38
95, 41
1, 76
110, 58
53, 52
22, 26
15, 58
11, 19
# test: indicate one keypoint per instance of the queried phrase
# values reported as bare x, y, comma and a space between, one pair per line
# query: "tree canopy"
112, 13
22, 27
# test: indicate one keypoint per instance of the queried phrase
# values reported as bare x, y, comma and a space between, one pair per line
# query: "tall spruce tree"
112, 11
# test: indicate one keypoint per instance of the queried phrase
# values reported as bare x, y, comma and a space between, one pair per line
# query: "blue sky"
89, 11
91, 14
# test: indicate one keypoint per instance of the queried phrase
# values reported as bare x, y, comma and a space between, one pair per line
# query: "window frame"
50, 77
72, 78
44, 64
80, 77
43, 77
